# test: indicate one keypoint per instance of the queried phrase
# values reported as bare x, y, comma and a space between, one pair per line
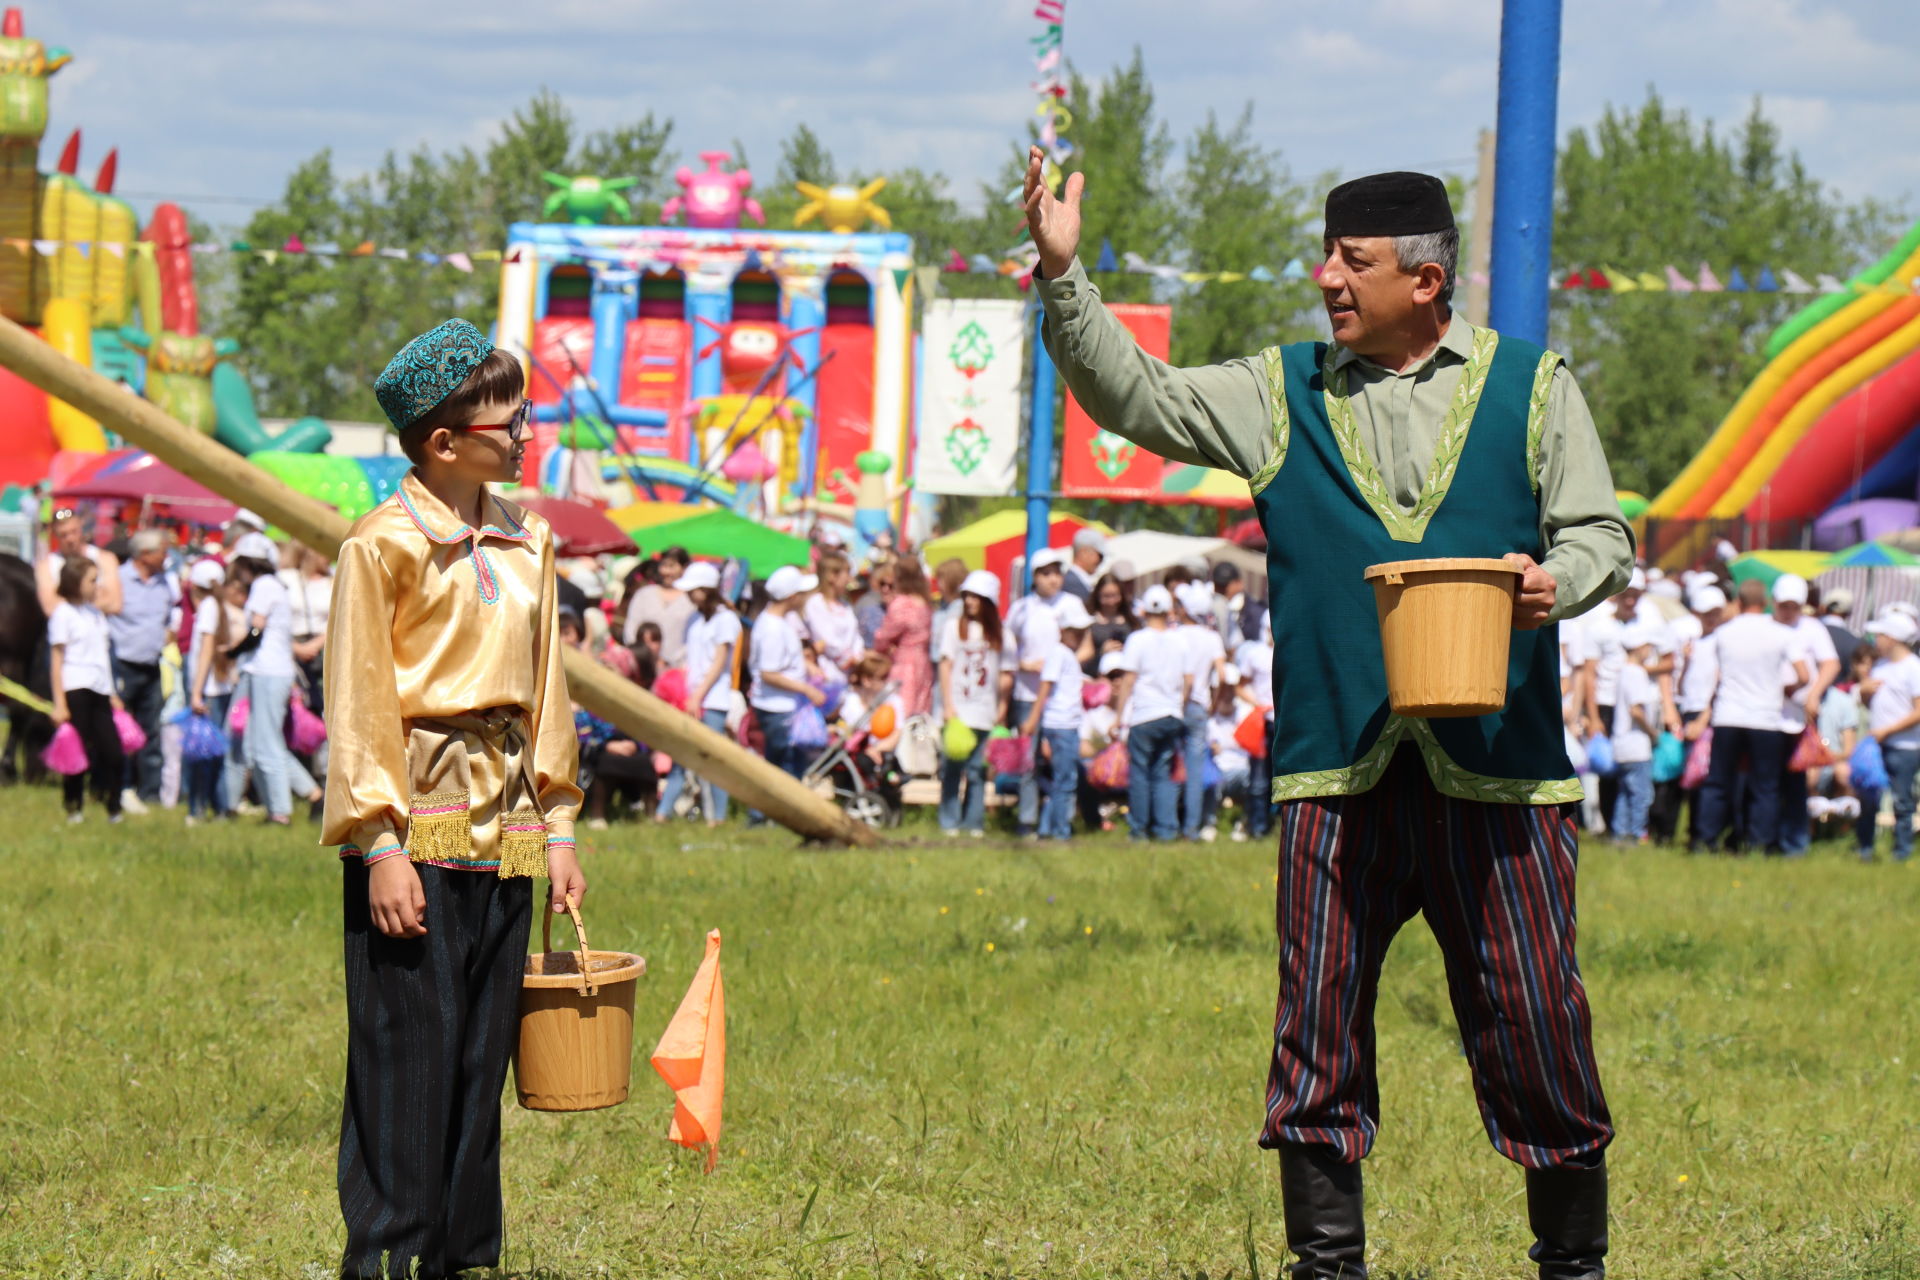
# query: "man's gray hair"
1442, 247
147, 540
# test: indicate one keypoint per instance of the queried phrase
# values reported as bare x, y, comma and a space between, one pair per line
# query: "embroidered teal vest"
1328, 515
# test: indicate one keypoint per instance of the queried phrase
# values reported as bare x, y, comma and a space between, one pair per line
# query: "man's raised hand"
1053, 222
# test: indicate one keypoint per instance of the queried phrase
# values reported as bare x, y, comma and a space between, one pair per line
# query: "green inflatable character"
588, 201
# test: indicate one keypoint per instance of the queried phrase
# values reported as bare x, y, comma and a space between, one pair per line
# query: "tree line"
1645, 185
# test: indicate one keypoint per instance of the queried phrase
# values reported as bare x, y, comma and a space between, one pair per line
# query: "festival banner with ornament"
973, 352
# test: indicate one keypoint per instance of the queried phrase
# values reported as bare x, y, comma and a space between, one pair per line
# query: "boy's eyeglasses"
515, 427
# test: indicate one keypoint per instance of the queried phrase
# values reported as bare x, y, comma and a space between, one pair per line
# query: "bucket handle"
1392, 578
587, 986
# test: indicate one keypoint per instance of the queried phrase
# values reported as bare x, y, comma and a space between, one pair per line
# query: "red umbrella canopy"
579, 528
133, 476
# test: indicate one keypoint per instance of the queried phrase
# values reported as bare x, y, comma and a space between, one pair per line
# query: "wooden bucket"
575, 1051
1445, 629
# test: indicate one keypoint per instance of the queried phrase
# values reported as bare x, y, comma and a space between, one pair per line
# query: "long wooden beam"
744, 775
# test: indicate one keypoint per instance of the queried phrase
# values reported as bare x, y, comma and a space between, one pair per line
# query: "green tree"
1239, 208
1647, 187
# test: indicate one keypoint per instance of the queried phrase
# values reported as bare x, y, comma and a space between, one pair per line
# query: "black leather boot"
1567, 1209
1326, 1225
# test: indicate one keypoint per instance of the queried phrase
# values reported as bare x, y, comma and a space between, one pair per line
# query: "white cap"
586, 576
1907, 607
982, 582
1071, 614
1230, 675
1122, 571
1789, 588
254, 545
698, 574
1655, 573
1666, 588
1637, 580
1195, 597
1725, 550
828, 536
206, 574
1839, 600
1708, 599
1895, 626
786, 582
244, 516
1156, 599
1112, 662
1055, 556
1090, 540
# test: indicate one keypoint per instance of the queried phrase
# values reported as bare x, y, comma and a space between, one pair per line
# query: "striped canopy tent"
1768, 565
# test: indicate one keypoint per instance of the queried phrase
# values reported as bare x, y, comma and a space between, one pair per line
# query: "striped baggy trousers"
430, 1028
1495, 882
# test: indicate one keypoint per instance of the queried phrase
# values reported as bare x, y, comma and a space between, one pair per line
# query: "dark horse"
23, 659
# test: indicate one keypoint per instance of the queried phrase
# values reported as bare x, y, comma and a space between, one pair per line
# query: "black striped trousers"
430, 1028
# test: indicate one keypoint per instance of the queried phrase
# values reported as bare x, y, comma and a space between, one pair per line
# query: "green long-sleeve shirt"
1219, 416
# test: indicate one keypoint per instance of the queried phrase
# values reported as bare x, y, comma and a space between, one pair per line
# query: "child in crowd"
972, 692
81, 675
712, 640
1892, 692
1206, 656
867, 691
1102, 727
1230, 759
1056, 717
1162, 683
209, 679
779, 667
1636, 720
1254, 657
452, 782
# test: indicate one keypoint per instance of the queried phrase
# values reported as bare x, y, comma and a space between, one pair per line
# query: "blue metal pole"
1039, 452
1523, 168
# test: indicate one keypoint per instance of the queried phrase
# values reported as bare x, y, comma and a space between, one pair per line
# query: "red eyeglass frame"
515, 427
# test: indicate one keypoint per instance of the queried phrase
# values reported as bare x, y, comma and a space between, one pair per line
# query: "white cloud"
208, 97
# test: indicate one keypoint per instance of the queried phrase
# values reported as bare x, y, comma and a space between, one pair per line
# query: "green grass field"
976, 1059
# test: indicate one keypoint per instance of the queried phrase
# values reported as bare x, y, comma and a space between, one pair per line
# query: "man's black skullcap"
1389, 204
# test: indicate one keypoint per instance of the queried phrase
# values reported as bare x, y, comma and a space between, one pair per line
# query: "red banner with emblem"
1098, 464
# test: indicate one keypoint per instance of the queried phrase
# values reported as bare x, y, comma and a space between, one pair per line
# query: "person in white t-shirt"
1055, 720
828, 620
1699, 672
1759, 663
1206, 656
712, 639
779, 667
267, 672
1255, 659
1823, 667
972, 691
1032, 630
1228, 758
1892, 692
217, 623
1636, 720
81, 676
1162, 683
1603, 628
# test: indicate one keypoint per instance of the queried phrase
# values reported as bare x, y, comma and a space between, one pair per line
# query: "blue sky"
209, 98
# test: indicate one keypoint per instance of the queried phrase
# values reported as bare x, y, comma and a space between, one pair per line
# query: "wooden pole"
620, 702
1480, 251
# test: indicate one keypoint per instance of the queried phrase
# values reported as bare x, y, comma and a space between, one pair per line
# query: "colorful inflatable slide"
1832, 417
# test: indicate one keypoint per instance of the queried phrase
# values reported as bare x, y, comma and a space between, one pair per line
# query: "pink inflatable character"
714, 198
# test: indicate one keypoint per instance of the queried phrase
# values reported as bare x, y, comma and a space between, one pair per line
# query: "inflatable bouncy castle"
697, 353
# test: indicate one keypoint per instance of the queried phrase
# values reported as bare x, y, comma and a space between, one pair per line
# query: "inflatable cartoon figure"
842, 207
713, 198
587, 201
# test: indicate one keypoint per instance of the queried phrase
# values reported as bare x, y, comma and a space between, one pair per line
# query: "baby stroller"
865, 789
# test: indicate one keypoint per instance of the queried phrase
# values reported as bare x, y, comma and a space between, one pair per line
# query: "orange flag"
692, 1058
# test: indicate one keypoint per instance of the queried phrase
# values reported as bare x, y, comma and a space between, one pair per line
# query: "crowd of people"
1727, 717
1754, 709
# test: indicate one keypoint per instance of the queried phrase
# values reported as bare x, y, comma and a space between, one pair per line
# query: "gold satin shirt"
451, 732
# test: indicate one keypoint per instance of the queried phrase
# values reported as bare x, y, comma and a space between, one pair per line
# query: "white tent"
1152, 554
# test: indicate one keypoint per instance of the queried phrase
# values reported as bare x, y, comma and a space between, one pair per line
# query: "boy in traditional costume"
451, 783
1412, 434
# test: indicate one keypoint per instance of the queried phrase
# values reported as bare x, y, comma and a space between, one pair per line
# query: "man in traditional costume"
1413, 434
